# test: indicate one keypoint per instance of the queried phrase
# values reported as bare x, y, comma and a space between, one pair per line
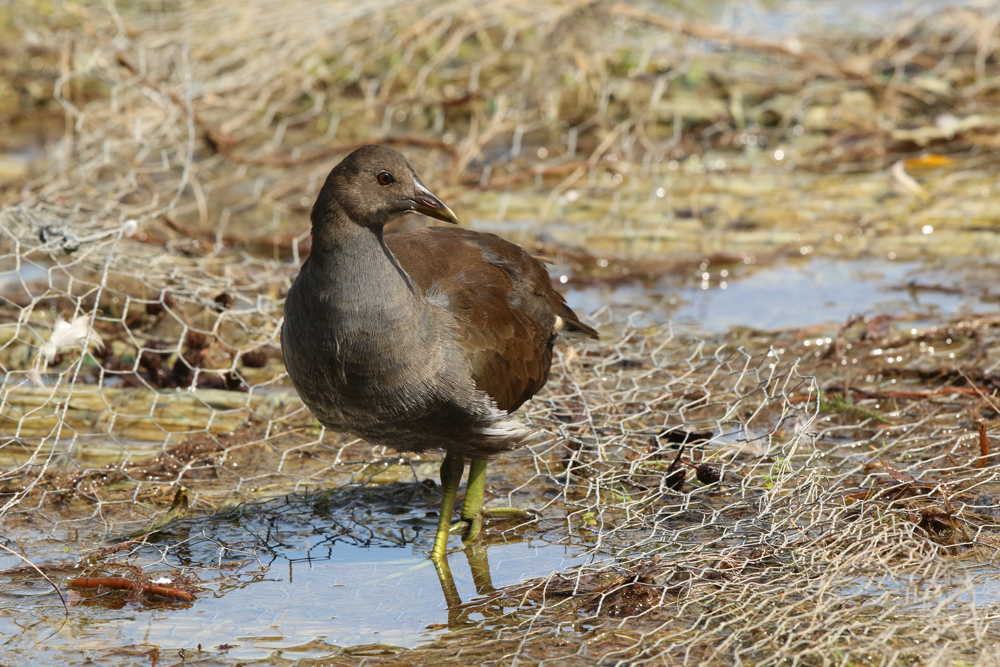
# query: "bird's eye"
385, 178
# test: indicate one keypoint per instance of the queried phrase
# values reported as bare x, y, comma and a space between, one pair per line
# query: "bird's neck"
352, 259
363, 314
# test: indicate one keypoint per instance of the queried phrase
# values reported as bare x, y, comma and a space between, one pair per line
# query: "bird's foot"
471, 527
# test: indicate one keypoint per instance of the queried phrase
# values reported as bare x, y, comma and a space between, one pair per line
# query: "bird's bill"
426, 202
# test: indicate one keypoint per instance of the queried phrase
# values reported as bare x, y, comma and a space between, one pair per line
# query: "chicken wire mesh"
765, 498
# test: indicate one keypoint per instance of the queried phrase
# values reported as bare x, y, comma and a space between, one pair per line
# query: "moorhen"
423, 339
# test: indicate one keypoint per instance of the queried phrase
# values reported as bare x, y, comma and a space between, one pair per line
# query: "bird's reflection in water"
459, 611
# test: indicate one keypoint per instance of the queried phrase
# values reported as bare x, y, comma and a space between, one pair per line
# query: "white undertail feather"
503, 425
510, 428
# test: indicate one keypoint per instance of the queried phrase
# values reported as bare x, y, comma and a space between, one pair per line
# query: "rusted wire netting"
812, 496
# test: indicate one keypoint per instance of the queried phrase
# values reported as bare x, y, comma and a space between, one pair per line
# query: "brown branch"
278, 243
984, 446
719, 36
917, 394
123, 584
526, 174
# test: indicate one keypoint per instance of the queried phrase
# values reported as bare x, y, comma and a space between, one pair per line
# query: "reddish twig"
275, 242
921, 394
978, 391
123, 584
984, 446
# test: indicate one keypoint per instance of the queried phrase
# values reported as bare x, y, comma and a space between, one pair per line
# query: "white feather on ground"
75, 335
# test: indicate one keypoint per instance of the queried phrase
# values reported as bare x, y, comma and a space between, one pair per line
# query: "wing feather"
501, 300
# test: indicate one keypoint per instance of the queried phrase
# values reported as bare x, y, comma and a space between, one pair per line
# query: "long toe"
460, 527
523, 515
471, 528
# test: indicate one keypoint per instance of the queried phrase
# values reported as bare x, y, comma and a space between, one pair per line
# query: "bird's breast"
362, 368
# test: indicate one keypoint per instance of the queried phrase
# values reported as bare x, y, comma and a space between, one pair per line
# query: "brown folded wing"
502, 302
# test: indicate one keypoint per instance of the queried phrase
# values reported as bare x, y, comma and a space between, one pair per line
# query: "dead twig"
984, 446
123, 584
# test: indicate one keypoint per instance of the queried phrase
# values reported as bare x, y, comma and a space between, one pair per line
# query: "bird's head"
375, 185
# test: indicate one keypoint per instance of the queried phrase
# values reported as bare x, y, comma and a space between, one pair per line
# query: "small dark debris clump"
156, 307
224, 301
152, 362
632, 599
708, 473
676, 472
195, 340
254, 358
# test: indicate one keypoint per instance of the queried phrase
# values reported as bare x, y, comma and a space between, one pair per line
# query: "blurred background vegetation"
667, 129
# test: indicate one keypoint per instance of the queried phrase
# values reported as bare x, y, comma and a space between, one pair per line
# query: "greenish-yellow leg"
451, 477
472, 509
472, 506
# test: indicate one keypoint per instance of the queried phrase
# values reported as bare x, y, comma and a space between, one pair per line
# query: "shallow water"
299, 577
791, 294
340, 595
